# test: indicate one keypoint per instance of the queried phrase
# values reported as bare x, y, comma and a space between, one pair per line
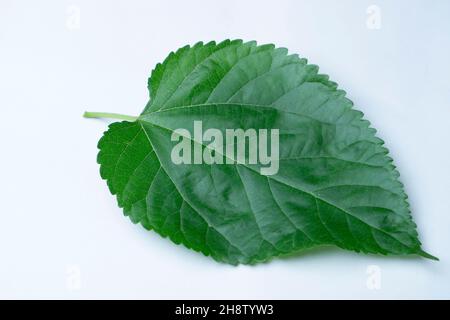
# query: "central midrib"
310, 193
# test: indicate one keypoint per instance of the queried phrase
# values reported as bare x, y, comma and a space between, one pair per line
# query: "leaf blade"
329, 153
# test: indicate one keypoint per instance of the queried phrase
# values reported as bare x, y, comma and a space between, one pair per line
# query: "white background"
61, 232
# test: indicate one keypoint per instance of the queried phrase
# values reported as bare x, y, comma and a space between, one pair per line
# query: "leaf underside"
336, 185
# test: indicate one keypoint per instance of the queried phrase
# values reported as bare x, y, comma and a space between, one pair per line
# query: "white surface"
58, 219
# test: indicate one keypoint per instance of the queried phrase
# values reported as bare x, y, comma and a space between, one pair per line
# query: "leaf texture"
336, 184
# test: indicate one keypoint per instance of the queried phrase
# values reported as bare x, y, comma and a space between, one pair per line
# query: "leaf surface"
336, 184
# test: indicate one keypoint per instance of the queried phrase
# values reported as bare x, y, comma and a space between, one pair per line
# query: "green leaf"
335, 185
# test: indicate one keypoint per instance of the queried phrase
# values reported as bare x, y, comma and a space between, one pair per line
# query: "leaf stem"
109, 115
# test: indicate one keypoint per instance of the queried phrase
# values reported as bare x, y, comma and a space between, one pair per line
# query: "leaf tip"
427, 255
